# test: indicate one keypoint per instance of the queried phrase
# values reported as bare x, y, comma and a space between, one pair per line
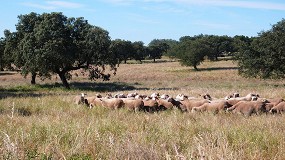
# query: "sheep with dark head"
80, 99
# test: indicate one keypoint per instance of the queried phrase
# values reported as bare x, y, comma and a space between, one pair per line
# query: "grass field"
42, 122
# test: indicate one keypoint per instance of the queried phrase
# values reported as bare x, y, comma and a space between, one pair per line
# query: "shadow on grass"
46, 89
90, 86
111, 87
102, 87
6, 94
217, 68
4, 73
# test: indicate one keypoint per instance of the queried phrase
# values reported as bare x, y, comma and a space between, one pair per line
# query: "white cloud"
165, 9
212, 25
51, 5
40, 6
119, 2
64, 4
234, 3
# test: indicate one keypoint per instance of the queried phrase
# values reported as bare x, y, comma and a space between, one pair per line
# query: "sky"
145, 20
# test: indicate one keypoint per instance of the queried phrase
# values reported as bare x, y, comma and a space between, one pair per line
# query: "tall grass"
46, 124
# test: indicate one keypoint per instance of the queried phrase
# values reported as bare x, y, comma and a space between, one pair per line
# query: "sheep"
154, 95
98, 95
120, 95
164, 96
214, 107
95, 102
132, 95
206, 96
109, 95
89, 100
150, 105
141, 96
187, 105
275, 101
112, 103
248, 107
269, 106
248, 97
177, 104
279, 108
270, 103
234, 95
194, 103
163, 104
79, 99
234, 101
133, 104
181, 97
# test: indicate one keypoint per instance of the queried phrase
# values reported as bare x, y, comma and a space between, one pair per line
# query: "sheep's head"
226, 105
235, 95
108, 95
206, 96
83, 94
181, 97
164, 96
154, 95
98, 95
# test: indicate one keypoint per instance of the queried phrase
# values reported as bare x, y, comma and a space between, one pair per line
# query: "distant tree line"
51, 43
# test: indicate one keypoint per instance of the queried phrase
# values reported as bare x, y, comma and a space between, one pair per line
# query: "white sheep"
133, 104
112, 103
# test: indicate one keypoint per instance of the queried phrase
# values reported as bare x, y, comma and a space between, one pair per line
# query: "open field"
42, 122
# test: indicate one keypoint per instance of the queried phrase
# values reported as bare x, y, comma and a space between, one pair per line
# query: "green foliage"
121, 49
192, 52
139, 51
167, 43
265, 56
156, 48
2, 48
52, 43
219, 45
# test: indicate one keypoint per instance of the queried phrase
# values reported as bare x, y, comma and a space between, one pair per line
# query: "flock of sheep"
247, 105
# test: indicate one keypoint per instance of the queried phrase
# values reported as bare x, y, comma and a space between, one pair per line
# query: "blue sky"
145, 20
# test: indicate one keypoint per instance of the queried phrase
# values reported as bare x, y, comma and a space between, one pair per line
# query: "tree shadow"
7, 73
6, 94
216, 69
102, 87
92, 86
23, 91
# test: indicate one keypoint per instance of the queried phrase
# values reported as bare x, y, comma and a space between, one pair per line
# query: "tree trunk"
33, 80
63, 80
195, 67
153, 60
217, 52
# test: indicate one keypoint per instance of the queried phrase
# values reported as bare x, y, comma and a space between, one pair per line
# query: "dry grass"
41, 122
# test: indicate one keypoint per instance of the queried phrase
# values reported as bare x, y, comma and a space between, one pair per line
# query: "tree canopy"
156, 48
264, 57
52, 43
192, 52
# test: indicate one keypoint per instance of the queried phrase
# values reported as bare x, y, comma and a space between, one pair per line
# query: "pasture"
42, 121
